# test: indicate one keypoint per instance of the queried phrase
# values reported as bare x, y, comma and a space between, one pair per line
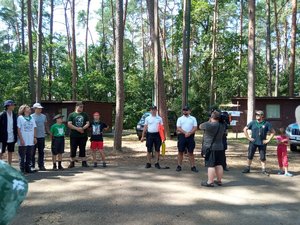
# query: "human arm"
245, 130
20, 137
144, 132
72, 127
272, 133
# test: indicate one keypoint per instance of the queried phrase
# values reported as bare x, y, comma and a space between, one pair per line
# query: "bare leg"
249, 162
157, 154
219, 173
93, 155
9, 157
59, 157
102, 155
211, 175
263, 165
149, 156
54, 158
192, 159
180, 158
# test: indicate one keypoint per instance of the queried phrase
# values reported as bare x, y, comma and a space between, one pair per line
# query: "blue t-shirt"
40, 120
259, 131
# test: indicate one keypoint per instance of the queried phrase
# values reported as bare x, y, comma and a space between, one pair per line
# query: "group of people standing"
29, 130
214, 143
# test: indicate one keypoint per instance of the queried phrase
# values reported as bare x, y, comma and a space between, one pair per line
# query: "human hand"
266, 142
35, 140
22, 142
251, 139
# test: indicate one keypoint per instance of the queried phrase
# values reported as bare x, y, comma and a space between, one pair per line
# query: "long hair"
22, 109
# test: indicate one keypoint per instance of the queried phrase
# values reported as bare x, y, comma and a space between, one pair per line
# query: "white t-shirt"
27, 130
187, 123
152, 123
10, 128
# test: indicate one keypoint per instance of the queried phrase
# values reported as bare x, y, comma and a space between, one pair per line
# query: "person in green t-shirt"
57, 134
78, 122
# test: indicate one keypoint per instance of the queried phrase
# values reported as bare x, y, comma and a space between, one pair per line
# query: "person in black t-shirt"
96, 139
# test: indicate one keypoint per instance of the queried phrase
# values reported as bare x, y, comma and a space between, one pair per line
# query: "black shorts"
77, 142
153, 139
184, 143
215, 158
58, 145
261, 149
10, 147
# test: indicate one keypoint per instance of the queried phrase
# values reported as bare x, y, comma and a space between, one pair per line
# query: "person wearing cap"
258, 140
26, 138
41, 130
78, 122
8, 130
186, 128
213, 136
152, 136
57, 136
97, 127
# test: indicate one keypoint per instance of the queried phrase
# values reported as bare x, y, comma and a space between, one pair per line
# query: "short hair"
22, 109
215, 115
79, 104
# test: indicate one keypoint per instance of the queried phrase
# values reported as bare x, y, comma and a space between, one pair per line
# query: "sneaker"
95, 164
205, 184
178, 169
194, 169
54, 168
246, 170
72, 164
84, 164
104, 164
264, 172
157, 165
280, 172
288, 174
148, 165
42, 168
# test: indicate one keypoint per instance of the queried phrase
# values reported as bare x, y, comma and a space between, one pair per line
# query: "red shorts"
96, 145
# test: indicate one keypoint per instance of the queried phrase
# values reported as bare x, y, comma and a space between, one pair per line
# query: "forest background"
41, 60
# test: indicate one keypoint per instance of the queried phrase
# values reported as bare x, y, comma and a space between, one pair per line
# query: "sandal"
205, 184
219, 183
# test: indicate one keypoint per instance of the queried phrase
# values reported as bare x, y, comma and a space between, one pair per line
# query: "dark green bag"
13, 190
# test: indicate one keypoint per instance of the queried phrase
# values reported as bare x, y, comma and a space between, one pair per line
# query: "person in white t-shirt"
26, 137
152, 136
186, 128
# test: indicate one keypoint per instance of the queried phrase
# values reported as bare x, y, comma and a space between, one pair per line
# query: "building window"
273, 111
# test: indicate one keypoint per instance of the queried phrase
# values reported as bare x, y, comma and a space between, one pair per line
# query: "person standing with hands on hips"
259, 130
78, 122
152, 136
186, 128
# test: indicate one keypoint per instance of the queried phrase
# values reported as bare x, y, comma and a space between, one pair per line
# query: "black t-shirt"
97, 129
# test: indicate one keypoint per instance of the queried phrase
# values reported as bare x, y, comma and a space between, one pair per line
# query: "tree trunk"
277, 49
212, 91
86, 64
39, 53
293, 48
30, 52
285, 60
241, 43
120, 95
23, 26
186, 50
67, 28
251, 61
143, 37
160, 96
268, 48
113, 23
74, 57
51, 50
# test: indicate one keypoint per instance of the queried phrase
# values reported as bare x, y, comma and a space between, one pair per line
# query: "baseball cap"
37, 105
186, 108
259, 112
153, 107
57, 116
9, 103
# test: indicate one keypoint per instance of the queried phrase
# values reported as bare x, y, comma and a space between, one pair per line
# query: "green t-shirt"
78, 120
58, 130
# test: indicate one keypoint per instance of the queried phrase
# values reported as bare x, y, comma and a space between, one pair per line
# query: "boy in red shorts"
96, 139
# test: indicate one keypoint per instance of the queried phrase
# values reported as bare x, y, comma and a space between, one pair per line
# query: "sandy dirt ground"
127, 193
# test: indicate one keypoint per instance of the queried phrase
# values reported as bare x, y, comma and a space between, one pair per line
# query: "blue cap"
9, 103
